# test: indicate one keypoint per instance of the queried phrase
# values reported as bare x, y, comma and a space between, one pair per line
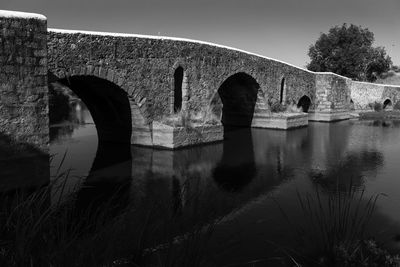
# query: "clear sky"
281, 29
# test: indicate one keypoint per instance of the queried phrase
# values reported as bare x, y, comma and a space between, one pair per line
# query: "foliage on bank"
347, 50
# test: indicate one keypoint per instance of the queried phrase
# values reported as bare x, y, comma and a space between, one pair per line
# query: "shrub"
278, 107
186, 119
180, 118
388, 74
206, 116
292, 108
376, 106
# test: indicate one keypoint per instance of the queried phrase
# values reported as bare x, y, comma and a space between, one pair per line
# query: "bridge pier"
23, 77
24, 122
332, 102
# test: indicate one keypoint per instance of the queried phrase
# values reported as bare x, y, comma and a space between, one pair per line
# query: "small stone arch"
304, 103
387, 104
235, 100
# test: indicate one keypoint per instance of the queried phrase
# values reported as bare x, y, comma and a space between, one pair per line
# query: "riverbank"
380, 115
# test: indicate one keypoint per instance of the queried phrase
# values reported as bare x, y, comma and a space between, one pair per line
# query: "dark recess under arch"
304, 103
238, 94
108, 104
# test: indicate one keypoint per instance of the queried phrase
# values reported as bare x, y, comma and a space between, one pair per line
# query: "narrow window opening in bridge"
387, 104
282, 90
304, 103
178, 79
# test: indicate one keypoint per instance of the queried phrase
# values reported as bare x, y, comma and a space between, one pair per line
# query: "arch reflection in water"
106, 190
237, 167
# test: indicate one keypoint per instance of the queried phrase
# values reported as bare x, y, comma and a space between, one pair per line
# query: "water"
250, 181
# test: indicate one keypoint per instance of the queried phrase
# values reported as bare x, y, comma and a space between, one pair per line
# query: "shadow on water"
22, 166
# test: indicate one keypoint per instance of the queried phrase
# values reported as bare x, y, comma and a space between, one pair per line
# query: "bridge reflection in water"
249, 163
233, 180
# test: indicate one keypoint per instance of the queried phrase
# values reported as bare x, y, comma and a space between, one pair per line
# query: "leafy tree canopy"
348, 51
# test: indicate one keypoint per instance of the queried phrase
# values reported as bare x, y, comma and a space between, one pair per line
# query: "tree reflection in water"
349, 173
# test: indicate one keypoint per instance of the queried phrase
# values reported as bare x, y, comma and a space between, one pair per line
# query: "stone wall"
144, 67
333, 93
23, 79
363, 94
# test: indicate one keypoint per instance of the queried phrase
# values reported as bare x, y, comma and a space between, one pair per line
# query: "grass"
334, 230
380, 115
35, 232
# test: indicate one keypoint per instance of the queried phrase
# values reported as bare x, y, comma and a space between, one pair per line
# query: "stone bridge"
129, 81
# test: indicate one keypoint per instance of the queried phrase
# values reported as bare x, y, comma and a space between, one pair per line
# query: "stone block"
283, 121
326, 116
172, 137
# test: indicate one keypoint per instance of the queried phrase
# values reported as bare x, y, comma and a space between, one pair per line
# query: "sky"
280, 29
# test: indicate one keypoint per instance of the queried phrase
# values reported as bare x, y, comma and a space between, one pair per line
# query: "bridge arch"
140, 132
304, 103
108, 104
116, 114
235, 100
387, 104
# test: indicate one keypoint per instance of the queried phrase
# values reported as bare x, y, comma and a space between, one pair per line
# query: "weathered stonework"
143, 67
23, 79
175, 137
283, 121
332, 101
363, 94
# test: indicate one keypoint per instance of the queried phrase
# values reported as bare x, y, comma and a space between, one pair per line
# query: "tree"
347, 50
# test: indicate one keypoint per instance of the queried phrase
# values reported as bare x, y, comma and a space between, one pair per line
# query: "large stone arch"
104, 90
235, 100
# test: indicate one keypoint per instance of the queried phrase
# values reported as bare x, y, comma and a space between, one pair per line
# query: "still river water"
250, 180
